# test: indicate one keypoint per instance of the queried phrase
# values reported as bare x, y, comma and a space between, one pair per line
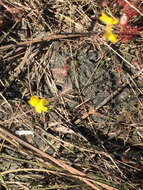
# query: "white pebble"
24, 132
123, 19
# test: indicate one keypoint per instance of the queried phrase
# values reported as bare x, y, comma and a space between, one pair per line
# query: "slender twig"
48, 38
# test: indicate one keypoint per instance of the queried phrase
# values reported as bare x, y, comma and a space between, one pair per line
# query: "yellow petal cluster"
109, 35
109, 21
39, 104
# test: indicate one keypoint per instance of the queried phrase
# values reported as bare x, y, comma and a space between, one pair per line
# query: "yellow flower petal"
107, 20
109, 35
109, 28
41, 106
34, 100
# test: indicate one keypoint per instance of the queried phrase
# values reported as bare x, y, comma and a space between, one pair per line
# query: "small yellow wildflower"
109, 35
108, 20
39, 104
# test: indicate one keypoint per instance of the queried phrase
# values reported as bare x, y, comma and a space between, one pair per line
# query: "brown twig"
48, 38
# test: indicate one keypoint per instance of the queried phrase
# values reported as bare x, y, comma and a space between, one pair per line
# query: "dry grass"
92, 136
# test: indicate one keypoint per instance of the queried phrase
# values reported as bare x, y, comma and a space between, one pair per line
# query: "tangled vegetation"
71, 93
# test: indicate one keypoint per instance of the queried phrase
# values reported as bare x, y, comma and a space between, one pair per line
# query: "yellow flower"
107, 20
109, 35
39, 104
34, 100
